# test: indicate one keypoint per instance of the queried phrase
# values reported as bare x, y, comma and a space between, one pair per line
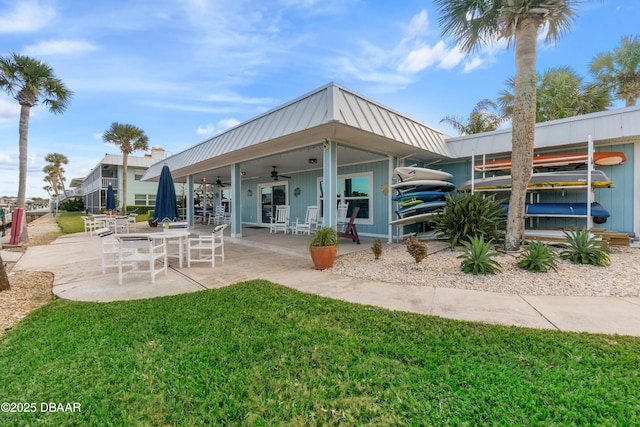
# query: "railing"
112, 181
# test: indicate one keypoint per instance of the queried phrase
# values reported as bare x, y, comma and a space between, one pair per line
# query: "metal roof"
606, 127
328, 112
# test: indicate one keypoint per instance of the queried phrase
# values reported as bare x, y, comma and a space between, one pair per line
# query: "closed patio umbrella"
110, 204
166, 208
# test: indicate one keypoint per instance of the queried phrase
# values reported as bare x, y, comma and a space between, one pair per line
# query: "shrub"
537, 257
326, 236
72, 205
583, 247
416, 248
466, 216
377, 248
478, 257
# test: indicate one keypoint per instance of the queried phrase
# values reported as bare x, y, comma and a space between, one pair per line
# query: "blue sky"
185, 70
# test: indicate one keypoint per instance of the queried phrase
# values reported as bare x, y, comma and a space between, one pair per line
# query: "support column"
330, 179
236, 209
189, 197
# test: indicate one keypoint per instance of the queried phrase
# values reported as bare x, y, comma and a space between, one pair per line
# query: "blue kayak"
425, 196
562, 209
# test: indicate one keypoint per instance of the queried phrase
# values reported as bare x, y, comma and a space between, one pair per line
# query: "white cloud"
222, 125
208, 129
231, 98
59, 47
9, 111
423, 57
419, 24
472, 64
228, 123
26, 16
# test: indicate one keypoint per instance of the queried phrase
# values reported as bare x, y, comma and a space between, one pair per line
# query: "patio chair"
120, 225
141, 251
350, 231
310, 221
280, 222
217, 217
206, 248
89, 224
133, 220
110, 249
342, 213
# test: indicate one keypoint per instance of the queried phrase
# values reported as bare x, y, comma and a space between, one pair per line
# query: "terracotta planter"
322, 256
152, 223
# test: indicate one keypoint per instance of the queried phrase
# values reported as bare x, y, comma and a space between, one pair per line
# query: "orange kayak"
601, 158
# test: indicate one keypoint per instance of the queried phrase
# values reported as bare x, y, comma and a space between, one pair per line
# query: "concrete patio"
75, 261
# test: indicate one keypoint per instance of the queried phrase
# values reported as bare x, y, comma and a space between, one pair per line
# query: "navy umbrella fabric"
166, 208
110, 204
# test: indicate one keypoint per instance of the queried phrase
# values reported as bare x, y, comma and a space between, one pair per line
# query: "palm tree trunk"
125, 165
523, 122
23, 131
4, 279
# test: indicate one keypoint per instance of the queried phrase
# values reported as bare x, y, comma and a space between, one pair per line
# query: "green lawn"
260, 354
70, 222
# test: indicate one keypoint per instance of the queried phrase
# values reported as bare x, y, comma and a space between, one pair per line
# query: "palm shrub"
326, 236
478, 257
469, 215
538, 257
416, 248
582, 247
377, 248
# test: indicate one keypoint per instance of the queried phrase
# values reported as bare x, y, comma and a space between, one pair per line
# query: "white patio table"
180, 235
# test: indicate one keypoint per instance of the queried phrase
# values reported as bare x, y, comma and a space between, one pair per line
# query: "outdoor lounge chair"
350, 231
207, 247
137, 252
310, 220
280, 222
342, 213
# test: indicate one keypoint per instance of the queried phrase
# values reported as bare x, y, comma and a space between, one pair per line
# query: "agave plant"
582, 247
537, 257
469, 215
478, 257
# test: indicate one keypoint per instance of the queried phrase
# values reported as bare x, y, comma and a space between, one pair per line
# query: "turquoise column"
189, 197
236, 209
330, 179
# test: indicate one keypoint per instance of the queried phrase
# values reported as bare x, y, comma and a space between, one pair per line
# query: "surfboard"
412, 173
412, 219
423, 185
421, 208
544, 179
421, 196
562, 209
602, 158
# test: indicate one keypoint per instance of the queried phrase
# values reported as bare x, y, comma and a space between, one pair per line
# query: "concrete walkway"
75, 261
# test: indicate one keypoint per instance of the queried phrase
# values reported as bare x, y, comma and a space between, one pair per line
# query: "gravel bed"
441, 269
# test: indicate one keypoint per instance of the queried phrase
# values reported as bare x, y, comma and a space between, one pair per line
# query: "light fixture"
204, 179
313, 161
242, 173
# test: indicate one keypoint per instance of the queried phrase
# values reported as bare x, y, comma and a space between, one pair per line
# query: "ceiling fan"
219, 183
275, 175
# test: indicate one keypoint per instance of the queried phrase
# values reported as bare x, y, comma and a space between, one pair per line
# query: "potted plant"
151, 221
323, 248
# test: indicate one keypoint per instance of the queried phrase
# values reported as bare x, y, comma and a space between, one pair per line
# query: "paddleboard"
421, 208
412, 173
562, 209
423, 185
425, 196
412, 219
602, 158
544, 179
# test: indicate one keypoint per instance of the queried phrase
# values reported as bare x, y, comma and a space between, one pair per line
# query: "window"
356, 190
137, 174
144, 200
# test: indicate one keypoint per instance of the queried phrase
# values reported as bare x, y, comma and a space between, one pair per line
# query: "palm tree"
31, 81
129, 139
480, 119
476, 22
619, 70
51, 177
57, 160
560, 93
